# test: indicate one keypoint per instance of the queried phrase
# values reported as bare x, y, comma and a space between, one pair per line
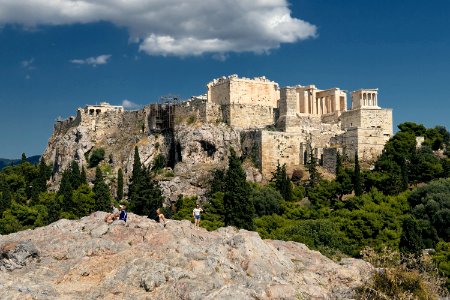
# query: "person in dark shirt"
123, 213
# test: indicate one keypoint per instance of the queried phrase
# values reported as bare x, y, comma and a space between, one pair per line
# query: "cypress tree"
65, 190
238, 208
357, 176
75, 175
149, 197
101, 190
314, 176
282, 182
119, 184
24, 158
136, 177
83, 177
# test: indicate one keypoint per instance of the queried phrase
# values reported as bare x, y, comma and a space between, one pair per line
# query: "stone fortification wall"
282, 147
368, 118
248, 116
232, 89
205, 112
329, 159
368, 142
61, 126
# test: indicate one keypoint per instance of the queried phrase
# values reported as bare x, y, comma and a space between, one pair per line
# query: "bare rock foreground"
89, 259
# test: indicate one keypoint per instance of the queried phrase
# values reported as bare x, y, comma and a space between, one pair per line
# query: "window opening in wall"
98, 111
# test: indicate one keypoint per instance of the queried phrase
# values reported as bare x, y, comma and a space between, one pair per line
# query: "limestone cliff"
191, 150
89, 259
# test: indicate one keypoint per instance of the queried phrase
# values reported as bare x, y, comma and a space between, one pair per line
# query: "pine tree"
357, 176
238, 208
39, 184
101, 190
119, 184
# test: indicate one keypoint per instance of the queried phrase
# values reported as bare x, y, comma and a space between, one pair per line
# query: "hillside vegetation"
395, 211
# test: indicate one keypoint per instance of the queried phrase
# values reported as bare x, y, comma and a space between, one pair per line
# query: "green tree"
39, 184
266, 200
84, 198
24, 158
282, 182
238, 209
96, 157
314, 176
120, 184
144, 193
357, 176
411, 239
83, 177
65, 192
137, 176
343, 178
101, 191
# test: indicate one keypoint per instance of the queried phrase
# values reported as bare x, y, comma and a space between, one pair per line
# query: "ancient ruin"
283, 124
261, 121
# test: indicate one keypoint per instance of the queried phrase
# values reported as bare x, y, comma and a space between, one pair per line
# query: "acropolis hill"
260, 120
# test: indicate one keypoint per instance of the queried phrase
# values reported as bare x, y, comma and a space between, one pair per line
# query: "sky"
58, 55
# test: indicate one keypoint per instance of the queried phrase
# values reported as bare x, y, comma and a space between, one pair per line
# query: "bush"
96, 157
401, 277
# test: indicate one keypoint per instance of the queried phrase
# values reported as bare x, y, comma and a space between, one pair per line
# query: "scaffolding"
162, 114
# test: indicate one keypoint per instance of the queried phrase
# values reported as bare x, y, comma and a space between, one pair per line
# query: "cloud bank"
174, 27
93, 61
130, 105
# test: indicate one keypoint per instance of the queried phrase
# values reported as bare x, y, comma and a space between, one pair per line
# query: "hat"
122, 206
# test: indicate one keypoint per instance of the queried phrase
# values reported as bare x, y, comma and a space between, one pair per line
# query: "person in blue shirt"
123, 213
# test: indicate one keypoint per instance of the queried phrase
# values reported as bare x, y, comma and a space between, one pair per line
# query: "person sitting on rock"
114, 215
123, 213
161, 217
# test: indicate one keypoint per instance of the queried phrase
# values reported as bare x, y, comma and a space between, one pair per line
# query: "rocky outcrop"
190, 150
89, 259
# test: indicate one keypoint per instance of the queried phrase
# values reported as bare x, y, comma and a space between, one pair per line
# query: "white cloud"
174, 27
27, 64
94, 61
130, 105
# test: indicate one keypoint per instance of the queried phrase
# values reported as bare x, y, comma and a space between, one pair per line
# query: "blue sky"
56, 56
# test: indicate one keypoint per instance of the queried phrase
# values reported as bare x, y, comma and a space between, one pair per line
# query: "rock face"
89, 259
191, 150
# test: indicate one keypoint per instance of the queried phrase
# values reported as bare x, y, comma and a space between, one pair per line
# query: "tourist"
196, 214
114, 215
123, 213
161, 217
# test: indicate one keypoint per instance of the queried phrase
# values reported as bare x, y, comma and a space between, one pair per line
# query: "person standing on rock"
161, 217
123, 213
196, 214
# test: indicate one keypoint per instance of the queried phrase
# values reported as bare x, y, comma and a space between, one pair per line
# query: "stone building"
305, 117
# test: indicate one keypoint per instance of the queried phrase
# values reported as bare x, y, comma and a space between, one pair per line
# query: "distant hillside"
8, 162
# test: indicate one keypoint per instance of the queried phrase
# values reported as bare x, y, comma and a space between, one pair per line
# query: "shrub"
96, 157
401, 277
